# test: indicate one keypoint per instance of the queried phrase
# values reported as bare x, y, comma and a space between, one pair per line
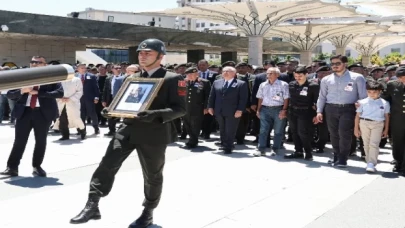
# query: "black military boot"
90, 211
145, 220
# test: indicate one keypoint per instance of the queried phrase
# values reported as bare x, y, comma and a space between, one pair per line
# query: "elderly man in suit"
90, 98
228, 99
35, 108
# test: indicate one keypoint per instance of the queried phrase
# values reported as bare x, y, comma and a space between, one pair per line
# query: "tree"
350, 60
376, 60
322, 56
214, 62
276, 59
393, 57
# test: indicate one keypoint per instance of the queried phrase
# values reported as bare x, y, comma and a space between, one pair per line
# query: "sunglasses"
36, 62
336, 64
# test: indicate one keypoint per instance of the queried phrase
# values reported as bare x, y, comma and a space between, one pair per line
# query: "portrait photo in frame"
134, 96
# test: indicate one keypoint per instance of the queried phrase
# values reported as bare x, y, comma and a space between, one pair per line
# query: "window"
110, 19
226, 23
396, 50
202, 25
160, 19
348, 53
197, 25
211, 24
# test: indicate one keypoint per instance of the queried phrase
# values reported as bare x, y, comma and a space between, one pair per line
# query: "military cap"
229, 63
280, 63
125, 63
324, 68
377, 68
355, 65
389, 64
241, 64
180, 65
400, 72
301, 70
391, 68
152, 44
170, 67
191, 70
213, 66
269, 62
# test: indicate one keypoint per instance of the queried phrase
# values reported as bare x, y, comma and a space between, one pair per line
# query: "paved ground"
203, 189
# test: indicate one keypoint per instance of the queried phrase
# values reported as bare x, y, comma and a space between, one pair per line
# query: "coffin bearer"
69, 109
198, 91
35, 109
149, 133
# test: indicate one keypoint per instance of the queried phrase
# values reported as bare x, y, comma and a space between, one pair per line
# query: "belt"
340, 105
279, 106
300, 107
369, 119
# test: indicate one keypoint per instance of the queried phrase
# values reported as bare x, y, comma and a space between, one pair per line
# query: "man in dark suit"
197, 101
205, 73
111, 87
90, 98
228, 99
35, 108
149, 133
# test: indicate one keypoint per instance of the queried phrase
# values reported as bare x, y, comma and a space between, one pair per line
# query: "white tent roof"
308, 36
382, 7
368, 45
397, 28
256, 18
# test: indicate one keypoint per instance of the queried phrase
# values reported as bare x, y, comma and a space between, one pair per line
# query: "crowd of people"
336, 102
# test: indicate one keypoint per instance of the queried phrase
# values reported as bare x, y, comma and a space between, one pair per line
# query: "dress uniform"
245, 118
149, 133
395, 95
198, 92
301, 113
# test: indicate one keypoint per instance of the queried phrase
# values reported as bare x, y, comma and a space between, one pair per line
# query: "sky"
64, 7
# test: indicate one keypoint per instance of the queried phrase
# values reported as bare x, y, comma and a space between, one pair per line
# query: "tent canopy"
370, 44
382, 7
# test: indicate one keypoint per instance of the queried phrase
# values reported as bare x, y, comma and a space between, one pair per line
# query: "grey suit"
225, 103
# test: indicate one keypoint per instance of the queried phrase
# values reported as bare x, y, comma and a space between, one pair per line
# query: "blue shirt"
345, 89
373, 109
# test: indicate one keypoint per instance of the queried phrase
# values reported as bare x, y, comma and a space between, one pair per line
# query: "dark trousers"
322, 133
242, 127
192, 125
227, 130
99, 108
207, 125
300, 121
88, 108
177, 123
64, 124
31, 119
152, 159
112, 122
341, 125
398, 139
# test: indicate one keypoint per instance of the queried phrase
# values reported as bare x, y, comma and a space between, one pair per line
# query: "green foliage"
393, 57
214, 62
245, 60
275, 58
351, 60
376, 60
322, 56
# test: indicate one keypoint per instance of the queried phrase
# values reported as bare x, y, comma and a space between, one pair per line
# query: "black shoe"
145, 220
240, 142
63, 138
90, 211
190, 146
393, 162
10, 172
218, 143
96, 131
333, 161
227, 151
207, 137
110, 133
396, 169
83, 134
308, 157
294, 155
319, 151
38, 171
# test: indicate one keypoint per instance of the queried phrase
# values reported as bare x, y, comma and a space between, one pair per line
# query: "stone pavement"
202, 189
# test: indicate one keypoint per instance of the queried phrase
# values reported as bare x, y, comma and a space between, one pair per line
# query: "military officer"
301, 112
148, 132
396, 96
242, 69
198, 90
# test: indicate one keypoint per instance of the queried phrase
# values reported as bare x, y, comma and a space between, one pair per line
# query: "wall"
20, 51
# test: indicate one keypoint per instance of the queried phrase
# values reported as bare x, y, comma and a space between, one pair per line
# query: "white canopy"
368, 45
397, 28
256, 18
382, 7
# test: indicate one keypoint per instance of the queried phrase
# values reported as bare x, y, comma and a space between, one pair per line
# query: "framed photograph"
135, 95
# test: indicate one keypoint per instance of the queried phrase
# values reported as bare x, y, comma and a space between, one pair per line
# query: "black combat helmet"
152, 44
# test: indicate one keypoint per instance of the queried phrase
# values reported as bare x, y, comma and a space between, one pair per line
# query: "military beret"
229, 63
377, 68
280, 63
241, 64
213, 66
301, 70
391, 68
400, 72
191, 70
389, 64
355, 65
324, 68
125, 63
269, 62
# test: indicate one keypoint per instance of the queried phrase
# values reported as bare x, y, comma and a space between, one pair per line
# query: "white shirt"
28, 103
273, 94
229, 82
4, 92
205, 74
112, 83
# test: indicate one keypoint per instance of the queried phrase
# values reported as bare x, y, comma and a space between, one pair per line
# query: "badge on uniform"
234, 85
277, 97
181, 90
304, 91
88, 77
382, 107
196, 84
349, 87
210, 75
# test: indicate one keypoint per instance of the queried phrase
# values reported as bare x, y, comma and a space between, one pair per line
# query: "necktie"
34, 98
145, 74
225, 87
82, 79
